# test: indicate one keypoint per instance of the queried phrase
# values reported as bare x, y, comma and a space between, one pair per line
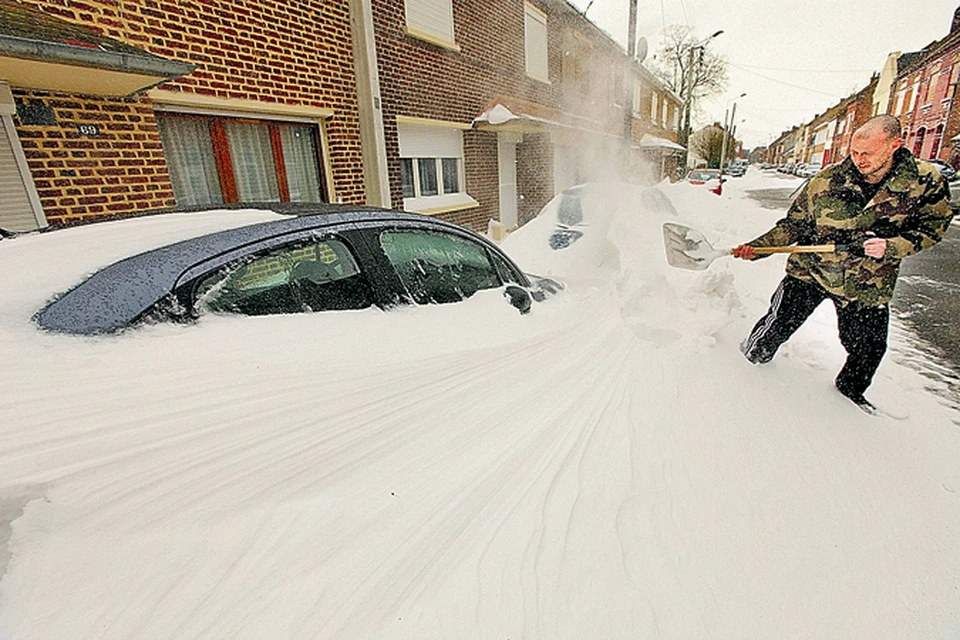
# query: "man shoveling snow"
879, 205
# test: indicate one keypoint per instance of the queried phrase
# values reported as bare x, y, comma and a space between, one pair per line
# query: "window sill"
433, 39
538, 78
434, 205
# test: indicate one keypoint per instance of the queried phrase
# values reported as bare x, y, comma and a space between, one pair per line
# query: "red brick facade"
923, 99
423, 80
83, 176
274, 53
455, 84
259, 59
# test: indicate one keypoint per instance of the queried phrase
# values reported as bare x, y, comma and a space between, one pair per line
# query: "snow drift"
608, 466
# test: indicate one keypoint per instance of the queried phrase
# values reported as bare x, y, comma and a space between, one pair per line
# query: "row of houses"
465, 110
920, 88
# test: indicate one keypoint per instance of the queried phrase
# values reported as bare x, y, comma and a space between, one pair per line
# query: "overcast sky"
793, 58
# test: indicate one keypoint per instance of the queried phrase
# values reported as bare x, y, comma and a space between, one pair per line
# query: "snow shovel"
688, 248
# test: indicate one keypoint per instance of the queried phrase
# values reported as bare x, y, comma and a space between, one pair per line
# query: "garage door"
19, 205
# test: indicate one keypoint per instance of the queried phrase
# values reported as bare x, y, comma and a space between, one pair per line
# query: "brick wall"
535, 174
284, 53
480, 160
81, 177
420, 79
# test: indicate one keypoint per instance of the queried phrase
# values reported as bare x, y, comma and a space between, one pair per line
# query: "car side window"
316, 275
438, 268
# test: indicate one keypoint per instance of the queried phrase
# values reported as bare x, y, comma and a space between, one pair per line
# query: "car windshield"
703, 175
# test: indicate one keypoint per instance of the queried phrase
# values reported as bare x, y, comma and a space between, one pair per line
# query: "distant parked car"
946, 170
735, 170
809, 170
955, 194
702, 176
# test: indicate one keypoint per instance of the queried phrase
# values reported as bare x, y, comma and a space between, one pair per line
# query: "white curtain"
188, 149
252, 158
300, 159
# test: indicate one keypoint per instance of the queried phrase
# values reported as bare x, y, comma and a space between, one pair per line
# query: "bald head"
886, 125
873, 146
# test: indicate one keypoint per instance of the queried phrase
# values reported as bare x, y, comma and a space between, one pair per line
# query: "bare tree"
708, 144
683, 57
685, 64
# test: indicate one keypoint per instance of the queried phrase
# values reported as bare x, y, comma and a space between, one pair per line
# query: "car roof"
115, 296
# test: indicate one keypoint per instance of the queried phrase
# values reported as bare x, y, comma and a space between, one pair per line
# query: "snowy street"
608, 466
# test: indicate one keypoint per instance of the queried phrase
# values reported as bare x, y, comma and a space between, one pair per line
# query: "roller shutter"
19, 205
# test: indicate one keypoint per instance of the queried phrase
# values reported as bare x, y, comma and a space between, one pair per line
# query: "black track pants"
863, 331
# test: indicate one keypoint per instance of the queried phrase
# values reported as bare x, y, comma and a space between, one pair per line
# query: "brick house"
923, 97
853, 112
232, 101
123, 107
489, 110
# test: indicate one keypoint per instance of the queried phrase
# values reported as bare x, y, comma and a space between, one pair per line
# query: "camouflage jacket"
911, 210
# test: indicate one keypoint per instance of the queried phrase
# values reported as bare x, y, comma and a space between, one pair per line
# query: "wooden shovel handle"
810, 248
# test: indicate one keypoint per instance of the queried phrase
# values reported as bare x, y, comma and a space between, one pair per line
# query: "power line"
750, 66
787, 84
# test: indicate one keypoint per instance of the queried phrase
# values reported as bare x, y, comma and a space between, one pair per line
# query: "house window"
425, 177
431, 20
943, 81
535, 42
937, 138
616, 88
431, 168
216, 160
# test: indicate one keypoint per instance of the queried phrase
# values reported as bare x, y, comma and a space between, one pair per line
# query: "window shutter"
18, 210
535, 43
429, 142
434, 17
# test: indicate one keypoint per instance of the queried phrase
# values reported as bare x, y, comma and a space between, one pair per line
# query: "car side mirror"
519, 298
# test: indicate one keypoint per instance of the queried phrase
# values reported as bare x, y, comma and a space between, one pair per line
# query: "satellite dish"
641, 49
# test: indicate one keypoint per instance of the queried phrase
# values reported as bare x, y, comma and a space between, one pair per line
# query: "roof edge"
146, 64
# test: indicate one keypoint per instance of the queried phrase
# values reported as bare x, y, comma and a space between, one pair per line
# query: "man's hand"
875, 247
744, 252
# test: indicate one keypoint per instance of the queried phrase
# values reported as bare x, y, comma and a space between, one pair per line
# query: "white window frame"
915, 97
431, 21
653, 107
420, 139
535, 43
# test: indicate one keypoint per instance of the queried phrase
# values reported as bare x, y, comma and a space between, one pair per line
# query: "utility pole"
689, 85
628, 82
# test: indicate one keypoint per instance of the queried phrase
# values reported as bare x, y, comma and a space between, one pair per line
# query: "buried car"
327, 257
703, 176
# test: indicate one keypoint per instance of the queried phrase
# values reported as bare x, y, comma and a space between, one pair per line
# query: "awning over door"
653, 143
47, 53
508, 114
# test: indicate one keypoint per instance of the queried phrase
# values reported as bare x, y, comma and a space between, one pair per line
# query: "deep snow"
608, 466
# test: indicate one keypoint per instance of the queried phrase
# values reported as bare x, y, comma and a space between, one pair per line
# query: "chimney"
956, 21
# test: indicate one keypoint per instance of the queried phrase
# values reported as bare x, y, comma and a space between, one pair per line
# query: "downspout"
372, 138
